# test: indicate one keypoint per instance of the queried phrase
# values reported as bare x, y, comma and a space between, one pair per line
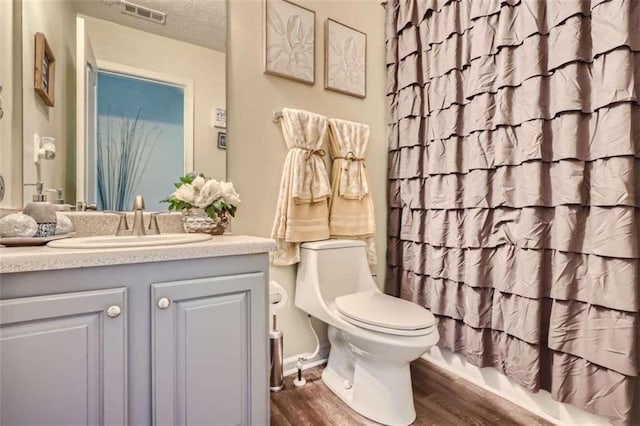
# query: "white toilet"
373, 336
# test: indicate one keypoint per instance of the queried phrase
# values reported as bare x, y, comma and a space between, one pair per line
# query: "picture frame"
345, 59
222, 140
285, 23
44, 70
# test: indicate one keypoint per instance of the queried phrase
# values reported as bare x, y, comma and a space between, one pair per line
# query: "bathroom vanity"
152, 335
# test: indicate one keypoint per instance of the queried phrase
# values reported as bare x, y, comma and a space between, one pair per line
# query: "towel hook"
277, 115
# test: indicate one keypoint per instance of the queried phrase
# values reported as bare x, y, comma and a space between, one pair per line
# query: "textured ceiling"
200, 22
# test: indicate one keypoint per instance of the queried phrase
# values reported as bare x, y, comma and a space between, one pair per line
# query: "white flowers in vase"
216, 198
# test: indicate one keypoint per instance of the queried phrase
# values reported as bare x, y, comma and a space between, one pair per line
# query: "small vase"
197, 220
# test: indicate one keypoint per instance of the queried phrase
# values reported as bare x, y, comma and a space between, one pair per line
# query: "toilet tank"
329, 269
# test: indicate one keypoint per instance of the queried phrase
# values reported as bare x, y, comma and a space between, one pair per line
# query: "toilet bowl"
373, 336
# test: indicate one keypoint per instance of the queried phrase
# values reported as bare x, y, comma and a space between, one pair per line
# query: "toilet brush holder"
276, 380
278, 299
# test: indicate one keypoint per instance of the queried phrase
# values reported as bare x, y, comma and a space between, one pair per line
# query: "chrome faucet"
138, 229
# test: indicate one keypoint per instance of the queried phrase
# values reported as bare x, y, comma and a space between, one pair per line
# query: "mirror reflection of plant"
122, 159
197, 191
293, 53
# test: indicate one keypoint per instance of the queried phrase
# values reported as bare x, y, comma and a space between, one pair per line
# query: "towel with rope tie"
303, 204
351, 212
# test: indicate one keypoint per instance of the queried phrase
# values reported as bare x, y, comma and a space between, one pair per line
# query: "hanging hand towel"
303, 212
304, 134
351, 206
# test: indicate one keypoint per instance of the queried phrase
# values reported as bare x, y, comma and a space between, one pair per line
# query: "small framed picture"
289, 41
345, 61
222, 140
45, 70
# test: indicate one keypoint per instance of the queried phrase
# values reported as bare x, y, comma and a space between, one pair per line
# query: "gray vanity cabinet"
205, 365
63, 359
187, 345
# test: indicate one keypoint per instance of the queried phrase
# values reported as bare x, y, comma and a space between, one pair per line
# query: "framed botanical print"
289, 41
345, 59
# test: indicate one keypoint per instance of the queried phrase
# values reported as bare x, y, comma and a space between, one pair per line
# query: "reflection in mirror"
141, 140
141, 84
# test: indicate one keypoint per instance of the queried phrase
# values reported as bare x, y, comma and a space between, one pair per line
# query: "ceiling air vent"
143, 12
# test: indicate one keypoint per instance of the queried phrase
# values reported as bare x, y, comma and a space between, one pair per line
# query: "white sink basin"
110, 241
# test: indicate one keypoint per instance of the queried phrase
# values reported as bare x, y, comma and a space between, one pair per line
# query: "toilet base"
374, 388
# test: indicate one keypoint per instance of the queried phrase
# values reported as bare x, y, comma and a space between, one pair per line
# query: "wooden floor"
440, 399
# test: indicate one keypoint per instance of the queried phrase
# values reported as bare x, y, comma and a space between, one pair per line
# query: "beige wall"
256, 149
206, 68
11, 95
56, 20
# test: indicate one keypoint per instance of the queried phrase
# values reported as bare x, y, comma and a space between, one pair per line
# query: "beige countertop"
43, 258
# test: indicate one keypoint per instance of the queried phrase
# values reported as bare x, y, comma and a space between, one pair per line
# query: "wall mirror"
140, 93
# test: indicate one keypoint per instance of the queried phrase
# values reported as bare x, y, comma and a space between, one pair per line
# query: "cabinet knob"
164, 303
114, 311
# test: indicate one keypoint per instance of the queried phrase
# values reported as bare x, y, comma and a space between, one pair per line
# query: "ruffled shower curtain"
514, 187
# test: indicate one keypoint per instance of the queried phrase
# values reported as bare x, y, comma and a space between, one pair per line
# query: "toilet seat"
379, 312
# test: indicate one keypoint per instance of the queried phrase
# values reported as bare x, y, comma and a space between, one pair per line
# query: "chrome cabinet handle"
114, 311
164, 303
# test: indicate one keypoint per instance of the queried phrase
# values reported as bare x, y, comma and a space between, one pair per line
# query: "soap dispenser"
41, 211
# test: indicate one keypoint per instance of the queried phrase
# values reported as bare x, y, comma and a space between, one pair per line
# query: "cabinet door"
62, 359
210, 351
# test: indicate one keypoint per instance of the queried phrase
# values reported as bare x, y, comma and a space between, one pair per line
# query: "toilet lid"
385, 312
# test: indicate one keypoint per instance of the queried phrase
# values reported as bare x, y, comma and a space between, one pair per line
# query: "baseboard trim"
290, 362
492, 380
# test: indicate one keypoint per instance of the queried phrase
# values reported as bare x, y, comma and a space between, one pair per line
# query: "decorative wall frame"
345, 59
44, 70
289, 41
222, 140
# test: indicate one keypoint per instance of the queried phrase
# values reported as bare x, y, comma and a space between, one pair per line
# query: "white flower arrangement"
216, 198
